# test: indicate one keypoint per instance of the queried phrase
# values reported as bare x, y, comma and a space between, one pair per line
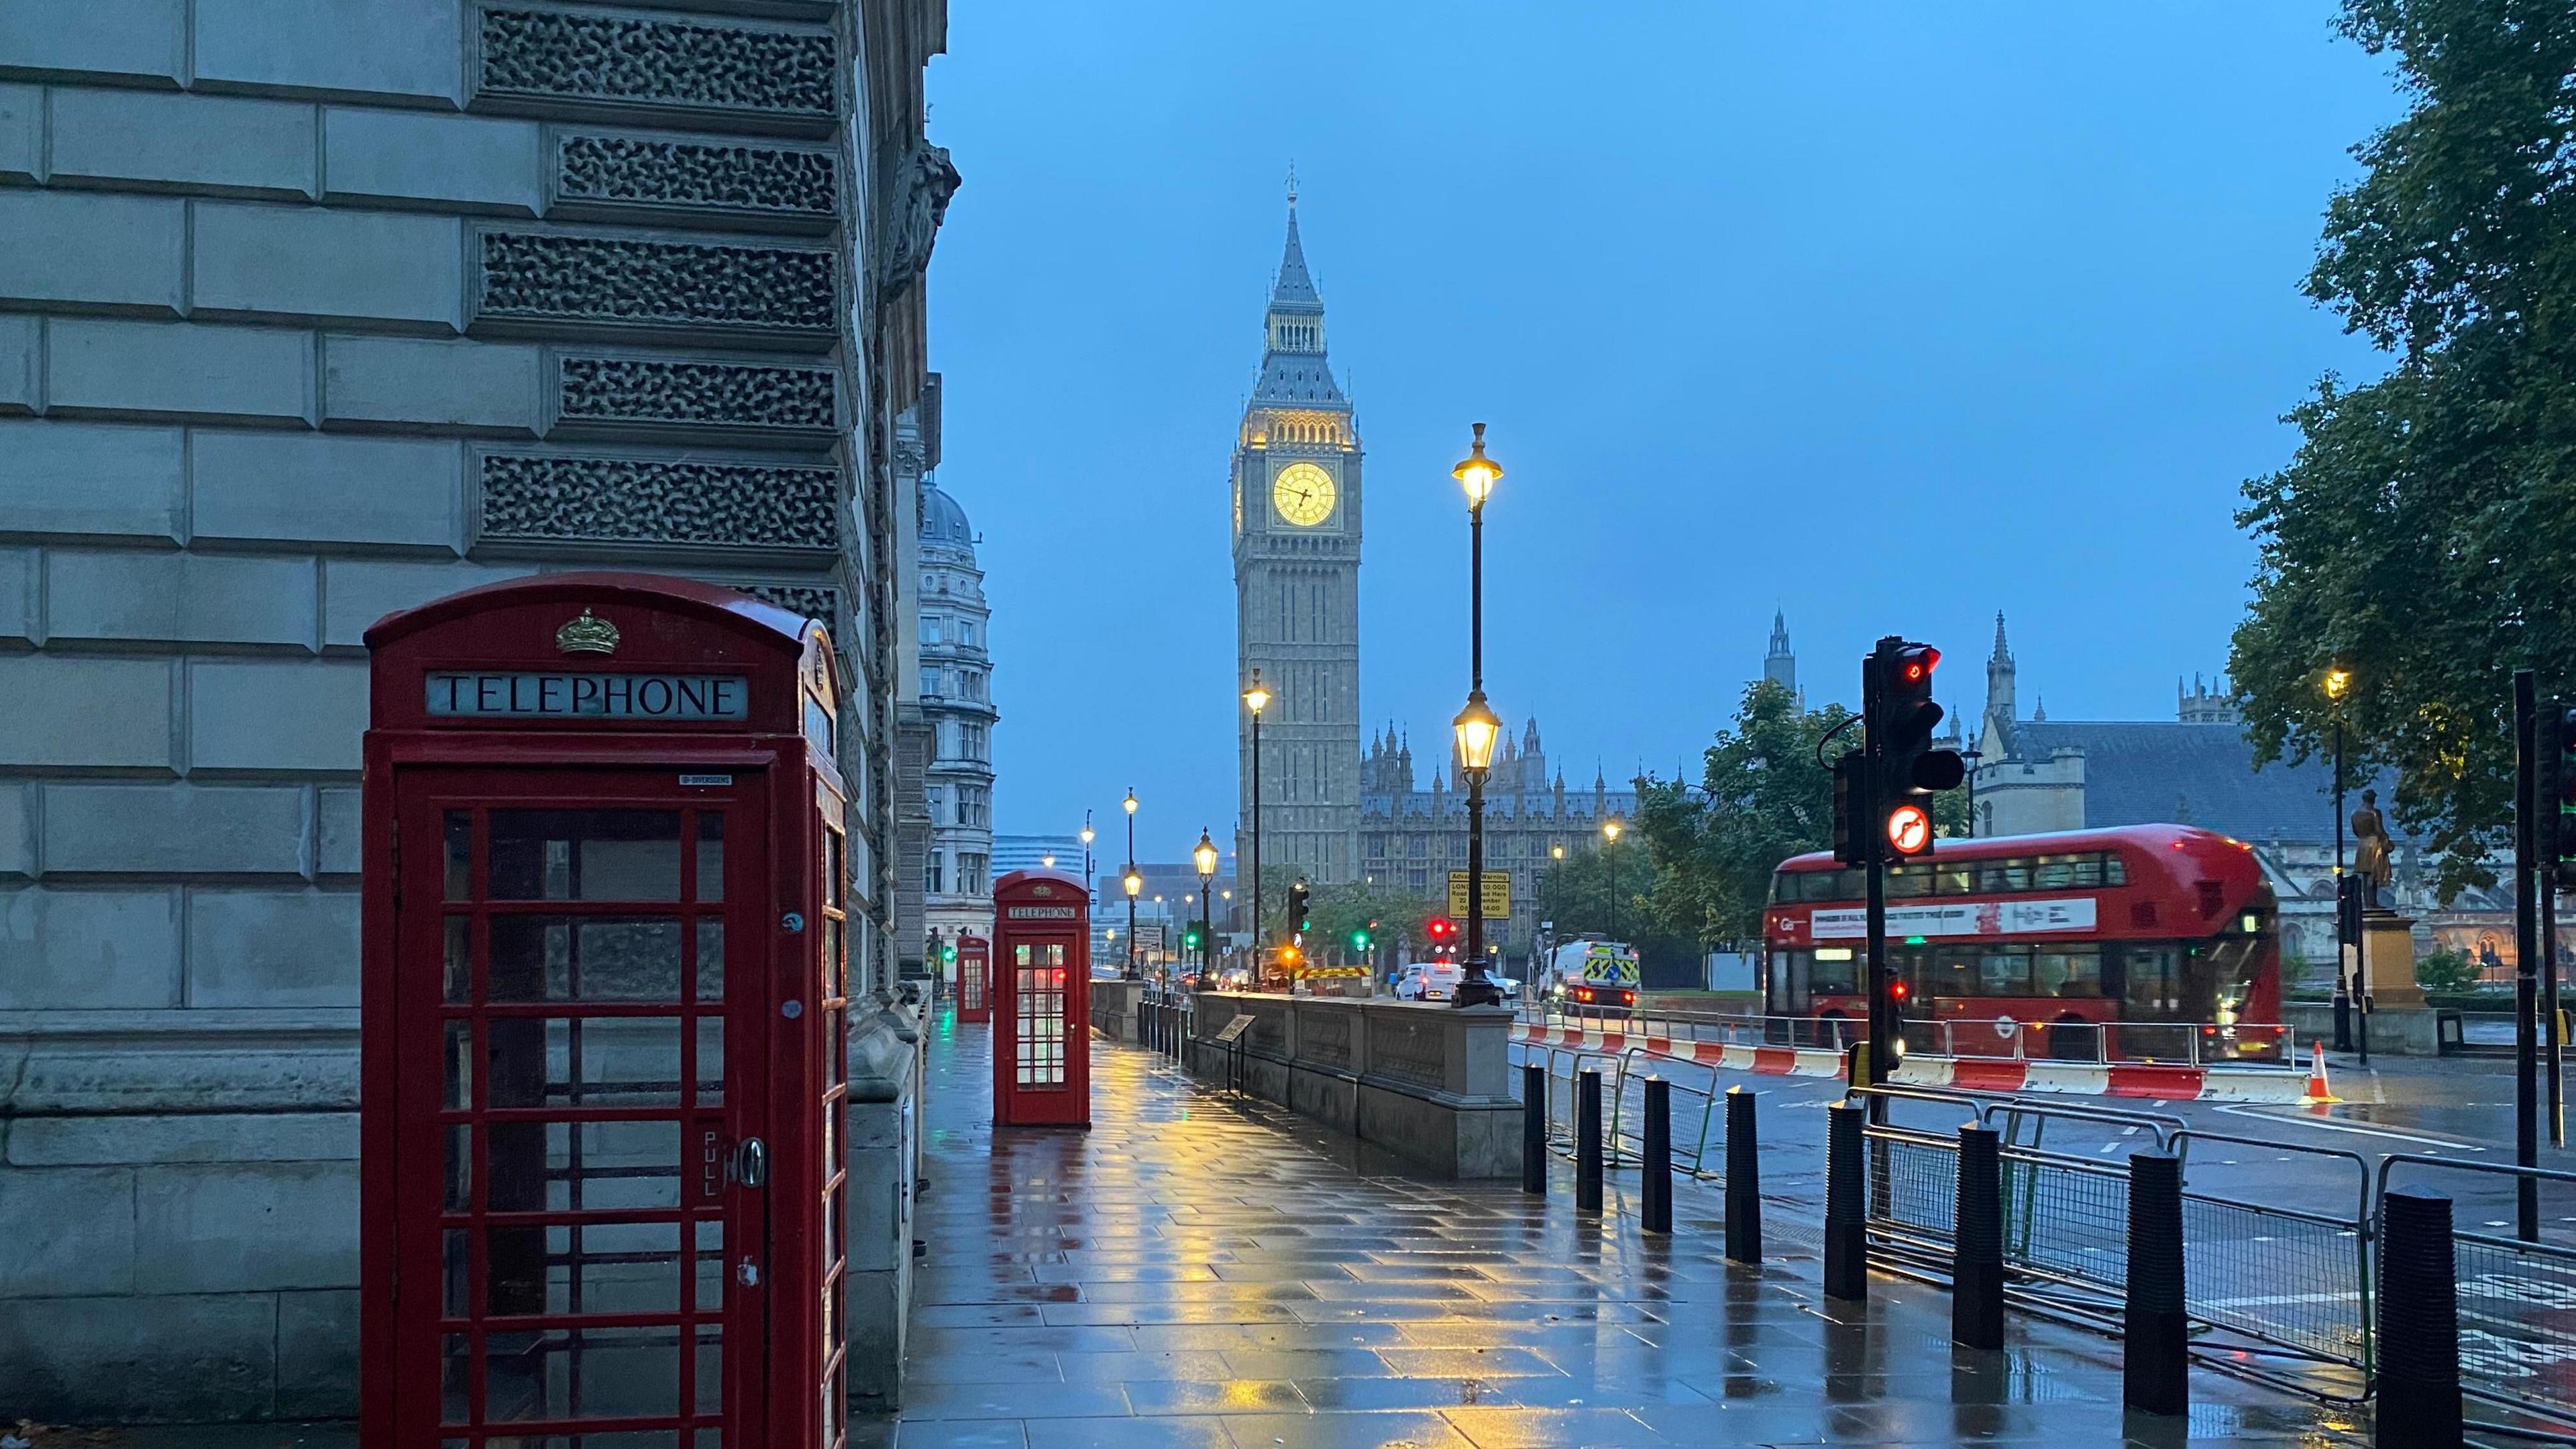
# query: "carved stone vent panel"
620, 61
803, 600
697, 394
631, 171
632, 500
1324, 1038
619, 281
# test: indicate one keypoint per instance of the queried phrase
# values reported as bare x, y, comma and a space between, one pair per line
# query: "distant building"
957, 702
1780, 666
1411, 838
2036, 774
1034, 852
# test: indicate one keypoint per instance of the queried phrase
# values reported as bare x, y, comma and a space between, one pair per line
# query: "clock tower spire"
1296, 481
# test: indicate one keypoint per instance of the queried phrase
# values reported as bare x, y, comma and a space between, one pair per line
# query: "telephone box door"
974, 979
585, 999
1041, 993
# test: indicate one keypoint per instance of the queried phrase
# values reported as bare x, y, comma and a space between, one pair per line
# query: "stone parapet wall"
1429, 1083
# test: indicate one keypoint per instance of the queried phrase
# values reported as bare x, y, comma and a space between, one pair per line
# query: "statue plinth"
2388, 960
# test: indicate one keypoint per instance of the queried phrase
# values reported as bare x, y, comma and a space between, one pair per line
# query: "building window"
1417, 847
974, 805
932, 879
931, 681
938, 795
971, 869
929, 628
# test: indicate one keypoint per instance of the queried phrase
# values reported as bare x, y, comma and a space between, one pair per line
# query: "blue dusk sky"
1887, 315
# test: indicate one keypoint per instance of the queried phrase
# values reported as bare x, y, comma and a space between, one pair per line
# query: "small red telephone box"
974, 979
1041, 1000
603, 1023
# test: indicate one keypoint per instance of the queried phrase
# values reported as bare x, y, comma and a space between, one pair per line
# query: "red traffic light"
1896, 990
1918, 663
1909, 829
1439, 928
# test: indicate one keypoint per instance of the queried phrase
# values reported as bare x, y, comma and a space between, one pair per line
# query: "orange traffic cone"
2318, 1093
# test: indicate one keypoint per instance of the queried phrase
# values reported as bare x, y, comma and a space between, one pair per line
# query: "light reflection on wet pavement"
1194, 1275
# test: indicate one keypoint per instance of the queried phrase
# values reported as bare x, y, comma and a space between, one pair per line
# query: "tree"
1577, 894
2424, 534
1340, 910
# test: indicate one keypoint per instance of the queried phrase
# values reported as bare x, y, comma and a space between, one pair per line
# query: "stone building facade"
311, 310
1411, 837
957, 704
1296, 480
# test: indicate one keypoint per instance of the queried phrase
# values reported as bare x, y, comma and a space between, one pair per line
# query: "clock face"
1303, 494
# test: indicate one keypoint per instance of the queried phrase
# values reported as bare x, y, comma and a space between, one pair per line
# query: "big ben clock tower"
1296, 590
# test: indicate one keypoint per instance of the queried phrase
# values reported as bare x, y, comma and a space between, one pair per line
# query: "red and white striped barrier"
2153, 1081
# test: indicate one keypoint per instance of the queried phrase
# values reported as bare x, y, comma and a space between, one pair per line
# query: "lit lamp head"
1556, 852
1256, 699
1047, 860
1130, 802
1610, 830
1204, 857
1478, 730
1133, 883
2338, 680
1477, 473
1087, 833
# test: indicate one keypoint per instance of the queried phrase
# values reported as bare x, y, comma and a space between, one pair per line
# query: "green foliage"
1339, 910
1578, 893
2425, 532
2446, 971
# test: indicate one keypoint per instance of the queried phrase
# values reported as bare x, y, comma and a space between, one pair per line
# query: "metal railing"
2181, 1043
2517, 1300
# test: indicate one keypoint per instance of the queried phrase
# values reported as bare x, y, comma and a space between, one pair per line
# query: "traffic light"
1441, 931
2557, 761
1298, 918
1359, 938
1909, 770
1190, 938
948, 953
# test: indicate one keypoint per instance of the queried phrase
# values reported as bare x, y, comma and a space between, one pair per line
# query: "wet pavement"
1195, 1273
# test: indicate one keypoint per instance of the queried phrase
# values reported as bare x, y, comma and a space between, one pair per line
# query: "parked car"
1427, 981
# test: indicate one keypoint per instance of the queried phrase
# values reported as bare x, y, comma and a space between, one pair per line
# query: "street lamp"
1047, 860
1133, 883
1610, 829
1477, 728
2338, 683
1256, 699
1088, 884
1204, 857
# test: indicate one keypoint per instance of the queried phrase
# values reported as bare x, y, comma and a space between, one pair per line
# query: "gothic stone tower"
1296, 587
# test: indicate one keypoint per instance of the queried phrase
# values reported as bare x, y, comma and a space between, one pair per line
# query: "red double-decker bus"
2149, 942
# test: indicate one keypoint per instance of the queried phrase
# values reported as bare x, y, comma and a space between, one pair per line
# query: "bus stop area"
1203, 1270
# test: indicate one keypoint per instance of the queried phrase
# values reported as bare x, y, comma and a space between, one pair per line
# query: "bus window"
2004, 971
1954, 971
1953, 880
1836, 972
2067, 971
2154, 981
2003, 875
1908, 880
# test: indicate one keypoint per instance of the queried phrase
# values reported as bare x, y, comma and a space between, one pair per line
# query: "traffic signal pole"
2527, 884
1874, 841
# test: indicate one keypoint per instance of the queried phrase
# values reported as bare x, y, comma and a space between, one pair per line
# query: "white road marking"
2325, 1126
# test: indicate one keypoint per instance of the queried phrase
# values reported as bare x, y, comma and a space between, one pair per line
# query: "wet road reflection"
1191, 1273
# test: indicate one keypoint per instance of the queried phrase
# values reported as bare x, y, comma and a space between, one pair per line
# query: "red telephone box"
603, 1026
1041, 1000
974, 979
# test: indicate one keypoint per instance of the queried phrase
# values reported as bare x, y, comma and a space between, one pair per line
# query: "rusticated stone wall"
311, 310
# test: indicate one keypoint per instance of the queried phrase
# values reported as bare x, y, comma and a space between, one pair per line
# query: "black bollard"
1587, 1140
2419, 1322
1743, 1180
1846, 1230
2156, 1336
1655, 1189
1977, 1244
1534, 1128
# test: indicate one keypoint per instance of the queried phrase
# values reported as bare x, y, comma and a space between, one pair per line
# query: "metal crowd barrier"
2183, 1043
2517, 1301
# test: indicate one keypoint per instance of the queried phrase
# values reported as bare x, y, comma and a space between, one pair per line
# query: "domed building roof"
942, 521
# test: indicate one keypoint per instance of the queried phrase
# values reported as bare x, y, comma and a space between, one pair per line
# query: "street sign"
1498, 894
1233, 1030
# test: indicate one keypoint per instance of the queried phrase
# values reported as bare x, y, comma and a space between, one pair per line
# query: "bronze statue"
2371, 849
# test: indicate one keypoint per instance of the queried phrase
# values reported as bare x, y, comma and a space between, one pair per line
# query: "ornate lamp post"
1088, 884
1610, 829
1477, 728
2338, 683
1204, 857
1132, 883
1256, 699
1970, 756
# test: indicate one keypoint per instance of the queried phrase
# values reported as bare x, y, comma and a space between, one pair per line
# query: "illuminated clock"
1303, 494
